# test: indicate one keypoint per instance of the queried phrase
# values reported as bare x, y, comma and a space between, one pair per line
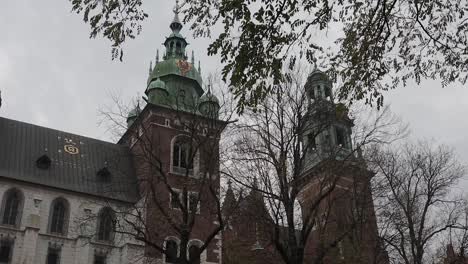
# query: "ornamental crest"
184, 66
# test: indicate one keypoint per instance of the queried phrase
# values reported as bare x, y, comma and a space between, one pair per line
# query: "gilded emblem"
71, 149
184, 66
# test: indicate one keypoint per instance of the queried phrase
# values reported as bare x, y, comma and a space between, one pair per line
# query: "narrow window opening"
312, 142
5, 252
341, 137
99, 259
171, 251
53, 256
182, 159
167, 123
11, 209
59, 212
194, 254
106, 225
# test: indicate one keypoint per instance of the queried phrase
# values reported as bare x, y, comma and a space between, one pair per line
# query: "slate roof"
74, 161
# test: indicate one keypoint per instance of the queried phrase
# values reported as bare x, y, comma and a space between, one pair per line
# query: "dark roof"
74, 161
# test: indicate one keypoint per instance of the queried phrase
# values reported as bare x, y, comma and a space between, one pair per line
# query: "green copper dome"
157, 84
177, 67
209, 98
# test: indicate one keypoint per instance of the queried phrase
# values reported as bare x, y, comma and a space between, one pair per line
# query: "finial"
157, 56
177, 7
199, 67
176, 26
193, 57
151, 67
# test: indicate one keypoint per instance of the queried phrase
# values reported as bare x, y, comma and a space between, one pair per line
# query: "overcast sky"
52, 74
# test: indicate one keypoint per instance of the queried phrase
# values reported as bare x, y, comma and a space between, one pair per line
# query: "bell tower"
327, 130
335, 184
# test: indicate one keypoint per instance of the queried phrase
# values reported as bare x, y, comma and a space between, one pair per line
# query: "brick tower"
335, 183
174, 140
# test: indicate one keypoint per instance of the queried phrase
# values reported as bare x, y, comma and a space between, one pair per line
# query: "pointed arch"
12, 207
106, 225
59, 215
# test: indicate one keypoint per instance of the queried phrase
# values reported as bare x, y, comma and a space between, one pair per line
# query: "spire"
150, 68
176, 26
229, 201
199, 67
193, 57
157, 56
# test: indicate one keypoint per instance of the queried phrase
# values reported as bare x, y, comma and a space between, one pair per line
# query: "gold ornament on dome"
184, 66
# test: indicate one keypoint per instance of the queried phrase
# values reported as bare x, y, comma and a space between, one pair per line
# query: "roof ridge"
61, 131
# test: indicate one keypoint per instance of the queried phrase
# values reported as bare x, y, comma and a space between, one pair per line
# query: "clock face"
184, 66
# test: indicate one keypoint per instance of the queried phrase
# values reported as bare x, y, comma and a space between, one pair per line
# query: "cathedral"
154, 196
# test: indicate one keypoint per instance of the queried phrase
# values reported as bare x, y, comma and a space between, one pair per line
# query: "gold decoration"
71, 149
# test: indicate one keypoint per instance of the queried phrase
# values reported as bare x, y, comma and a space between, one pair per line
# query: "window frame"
66, 215
19, 209
103, 259
56, 251
188, 204
340, 132
177, 248
182, 140
109, 212
10, 245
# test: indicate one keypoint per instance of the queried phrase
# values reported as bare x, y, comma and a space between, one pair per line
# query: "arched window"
106, 224
194, 254
171, 251
12, 206
58, 216
182, 156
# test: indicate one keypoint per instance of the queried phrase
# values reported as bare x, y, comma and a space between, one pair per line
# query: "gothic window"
181, 156
5, 252
194, 254
58, 216
12, 207
106, 224
171, 251
341, 137
53, 256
